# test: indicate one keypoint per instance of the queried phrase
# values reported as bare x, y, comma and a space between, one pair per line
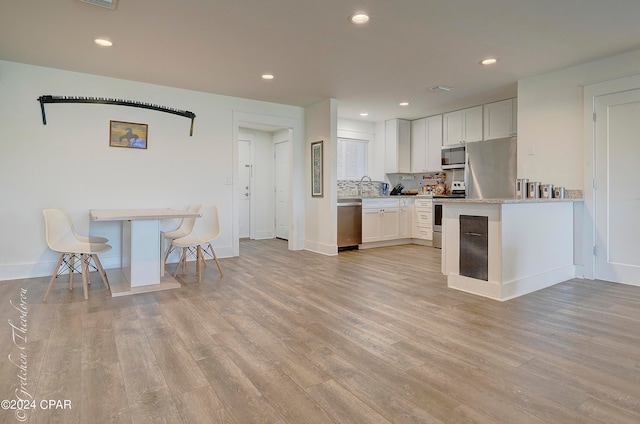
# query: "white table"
142, 263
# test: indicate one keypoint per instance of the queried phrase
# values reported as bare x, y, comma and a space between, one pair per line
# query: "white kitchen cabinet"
390, 222
380, 220
423, 219
462, 126
500, 119
371, 228
405, 218
397, 146
426, 144
419, 145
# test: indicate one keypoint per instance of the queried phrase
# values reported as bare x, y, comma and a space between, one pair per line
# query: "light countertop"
505, 201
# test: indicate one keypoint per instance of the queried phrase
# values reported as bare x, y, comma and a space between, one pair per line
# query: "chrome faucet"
361, 182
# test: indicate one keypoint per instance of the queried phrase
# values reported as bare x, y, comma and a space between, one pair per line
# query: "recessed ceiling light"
267, 76
103, 42
359, 18
404, 104
364, 114
488, 61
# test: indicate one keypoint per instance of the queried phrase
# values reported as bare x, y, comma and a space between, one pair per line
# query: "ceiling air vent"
440, 88
109, 4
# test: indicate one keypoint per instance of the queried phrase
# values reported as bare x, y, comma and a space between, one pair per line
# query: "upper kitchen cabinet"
426, 144
462, 126
500, 119
397, 146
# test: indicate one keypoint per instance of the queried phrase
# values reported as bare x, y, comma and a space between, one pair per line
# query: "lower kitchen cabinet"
423, 219
401, 219
405, 218
380, 220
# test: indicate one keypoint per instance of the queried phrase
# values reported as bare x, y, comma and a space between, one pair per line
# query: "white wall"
550, 119
320, 212
551, 126
69, 163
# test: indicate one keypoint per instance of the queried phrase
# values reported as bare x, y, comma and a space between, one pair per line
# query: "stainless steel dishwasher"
349, 223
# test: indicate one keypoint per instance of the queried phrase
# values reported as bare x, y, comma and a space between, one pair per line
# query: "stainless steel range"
458, 191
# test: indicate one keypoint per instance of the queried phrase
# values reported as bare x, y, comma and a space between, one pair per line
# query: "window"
352, 158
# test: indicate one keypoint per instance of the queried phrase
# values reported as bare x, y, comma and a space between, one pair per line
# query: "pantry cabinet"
462, 126
426, 144
500, 119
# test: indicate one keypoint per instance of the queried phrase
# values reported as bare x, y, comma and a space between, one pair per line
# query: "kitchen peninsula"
505, 248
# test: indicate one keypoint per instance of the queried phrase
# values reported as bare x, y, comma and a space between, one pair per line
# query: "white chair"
183, 230
205, 230
62, 238
82, 237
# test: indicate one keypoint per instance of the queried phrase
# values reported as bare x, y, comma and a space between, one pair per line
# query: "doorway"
261, 207
262, 188
245, 168
617, 186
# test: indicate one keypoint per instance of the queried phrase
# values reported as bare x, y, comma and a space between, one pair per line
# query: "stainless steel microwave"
453, 156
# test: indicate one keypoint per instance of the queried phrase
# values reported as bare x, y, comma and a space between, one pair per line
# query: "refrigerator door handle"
467, 186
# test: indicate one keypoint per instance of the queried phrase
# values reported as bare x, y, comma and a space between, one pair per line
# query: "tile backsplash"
350, 188
416, 181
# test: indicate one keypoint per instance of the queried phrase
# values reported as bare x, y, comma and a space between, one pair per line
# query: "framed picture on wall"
316, 169
128, 134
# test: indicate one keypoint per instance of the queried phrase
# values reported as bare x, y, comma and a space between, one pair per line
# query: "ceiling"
314, 52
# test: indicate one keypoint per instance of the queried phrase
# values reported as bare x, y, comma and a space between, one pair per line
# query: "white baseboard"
511, 289
45, 268
322, 248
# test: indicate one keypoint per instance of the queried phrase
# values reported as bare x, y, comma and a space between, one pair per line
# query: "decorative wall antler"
107, 101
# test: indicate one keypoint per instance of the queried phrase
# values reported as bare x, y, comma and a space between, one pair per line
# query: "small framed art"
128, 134
316, 169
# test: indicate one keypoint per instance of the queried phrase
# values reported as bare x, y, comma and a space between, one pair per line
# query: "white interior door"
244, 200
617, 195
281, 158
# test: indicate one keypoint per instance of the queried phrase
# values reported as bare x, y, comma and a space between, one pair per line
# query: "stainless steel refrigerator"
490, 171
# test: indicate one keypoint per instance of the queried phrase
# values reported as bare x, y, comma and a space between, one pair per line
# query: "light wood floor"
369, 336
